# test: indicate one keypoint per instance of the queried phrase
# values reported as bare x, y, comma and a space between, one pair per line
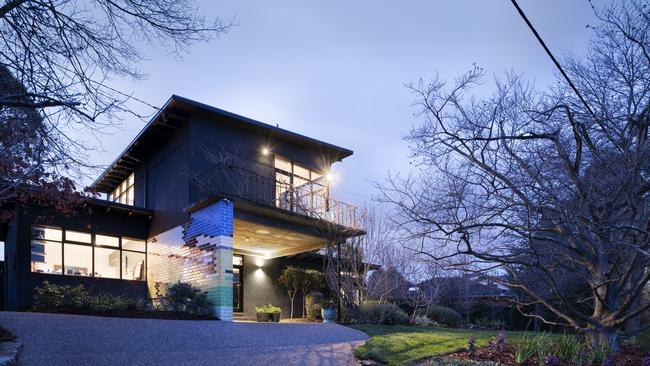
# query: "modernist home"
201, 195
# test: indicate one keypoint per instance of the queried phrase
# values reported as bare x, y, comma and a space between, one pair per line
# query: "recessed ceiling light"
262, 231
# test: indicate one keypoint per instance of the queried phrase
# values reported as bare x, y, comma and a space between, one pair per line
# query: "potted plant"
328, 310
268, 313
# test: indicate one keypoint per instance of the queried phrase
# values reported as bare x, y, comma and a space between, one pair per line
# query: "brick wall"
198, 252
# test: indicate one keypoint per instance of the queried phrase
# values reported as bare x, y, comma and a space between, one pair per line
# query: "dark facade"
196, 183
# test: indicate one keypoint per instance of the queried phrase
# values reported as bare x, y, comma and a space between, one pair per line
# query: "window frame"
122, 191
93, 244
311, 182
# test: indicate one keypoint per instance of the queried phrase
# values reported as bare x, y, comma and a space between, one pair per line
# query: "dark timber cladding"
176, 110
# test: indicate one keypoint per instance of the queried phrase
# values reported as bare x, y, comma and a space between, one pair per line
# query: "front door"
237, 284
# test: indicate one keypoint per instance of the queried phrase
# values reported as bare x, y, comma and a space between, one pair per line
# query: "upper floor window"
299, 188
124, 193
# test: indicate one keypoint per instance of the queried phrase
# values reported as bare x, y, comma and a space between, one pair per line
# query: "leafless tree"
539, 186
66, 53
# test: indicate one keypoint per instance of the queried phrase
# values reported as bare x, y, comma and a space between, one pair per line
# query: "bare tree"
65, 54
538, 186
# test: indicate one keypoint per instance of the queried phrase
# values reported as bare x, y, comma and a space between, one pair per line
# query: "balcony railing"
309, 200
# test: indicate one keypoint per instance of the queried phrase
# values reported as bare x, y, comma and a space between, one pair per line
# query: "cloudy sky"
335, 70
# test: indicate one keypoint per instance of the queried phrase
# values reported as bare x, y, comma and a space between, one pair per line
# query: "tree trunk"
604, 338
291, 298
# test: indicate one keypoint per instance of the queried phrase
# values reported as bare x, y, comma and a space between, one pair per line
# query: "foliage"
313, 312
381, 314
471, 345
526, 349
183, 297
567, 346
291, 278
499, 343
66, 53
268, 309
328, 303
443, 315
53, 298
421, 321
404, 345
552, 360
76, 299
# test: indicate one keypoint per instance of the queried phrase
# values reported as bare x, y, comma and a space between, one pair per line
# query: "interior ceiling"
270, 242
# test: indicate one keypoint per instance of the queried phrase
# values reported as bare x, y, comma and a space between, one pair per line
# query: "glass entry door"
237, 284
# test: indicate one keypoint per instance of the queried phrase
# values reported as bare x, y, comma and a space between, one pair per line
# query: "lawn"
401, 344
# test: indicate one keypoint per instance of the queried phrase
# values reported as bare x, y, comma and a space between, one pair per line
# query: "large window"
124, 193
76, 253
298, 188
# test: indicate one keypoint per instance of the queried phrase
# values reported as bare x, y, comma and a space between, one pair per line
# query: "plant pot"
274, 317
329, 315
263, 317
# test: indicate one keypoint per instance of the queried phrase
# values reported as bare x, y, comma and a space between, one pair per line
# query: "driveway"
58, 339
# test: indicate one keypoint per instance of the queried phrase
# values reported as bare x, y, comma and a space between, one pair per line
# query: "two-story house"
201, 195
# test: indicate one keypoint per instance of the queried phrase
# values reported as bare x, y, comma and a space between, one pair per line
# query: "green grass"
402, 344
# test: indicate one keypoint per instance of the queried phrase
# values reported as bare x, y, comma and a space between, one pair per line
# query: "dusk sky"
336, 71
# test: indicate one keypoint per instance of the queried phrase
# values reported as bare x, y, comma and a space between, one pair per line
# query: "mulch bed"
167, 315
629, 356
6, 336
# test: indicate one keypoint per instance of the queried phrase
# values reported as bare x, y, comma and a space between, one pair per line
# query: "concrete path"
57, 339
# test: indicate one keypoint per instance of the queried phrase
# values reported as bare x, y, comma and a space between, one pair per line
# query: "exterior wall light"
329, 176
265, 151
259, 262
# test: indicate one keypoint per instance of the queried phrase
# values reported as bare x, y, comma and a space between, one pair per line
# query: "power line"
550, 54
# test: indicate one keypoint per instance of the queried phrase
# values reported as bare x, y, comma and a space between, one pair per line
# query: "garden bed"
629, 356
425, 345
144, 314
6, 335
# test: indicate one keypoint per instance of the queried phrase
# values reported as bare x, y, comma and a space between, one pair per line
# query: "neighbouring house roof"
170, 116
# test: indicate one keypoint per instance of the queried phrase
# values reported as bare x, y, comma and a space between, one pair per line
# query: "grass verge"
402, 344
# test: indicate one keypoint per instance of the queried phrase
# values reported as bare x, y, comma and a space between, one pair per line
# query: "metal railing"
311, 200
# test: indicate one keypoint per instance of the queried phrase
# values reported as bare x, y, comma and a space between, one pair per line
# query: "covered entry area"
263, 246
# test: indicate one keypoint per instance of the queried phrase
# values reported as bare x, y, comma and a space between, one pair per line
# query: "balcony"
307, 200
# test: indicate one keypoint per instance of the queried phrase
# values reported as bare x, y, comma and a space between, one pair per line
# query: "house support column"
211, 228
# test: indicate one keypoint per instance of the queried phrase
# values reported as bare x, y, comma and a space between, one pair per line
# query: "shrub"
268, 309
552, 360
421, 321
499, 343
471, 345
54, 298
443, 315
382, 314
69, 299
183, 297
313, 311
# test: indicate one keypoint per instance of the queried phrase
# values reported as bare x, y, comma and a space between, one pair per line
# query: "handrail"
311, 200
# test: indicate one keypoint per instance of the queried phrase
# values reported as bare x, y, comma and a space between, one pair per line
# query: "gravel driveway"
57, 339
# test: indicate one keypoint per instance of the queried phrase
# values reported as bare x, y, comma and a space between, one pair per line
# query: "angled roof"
170, 116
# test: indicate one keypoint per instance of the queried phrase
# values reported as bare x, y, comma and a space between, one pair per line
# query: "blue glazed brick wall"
198, 252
